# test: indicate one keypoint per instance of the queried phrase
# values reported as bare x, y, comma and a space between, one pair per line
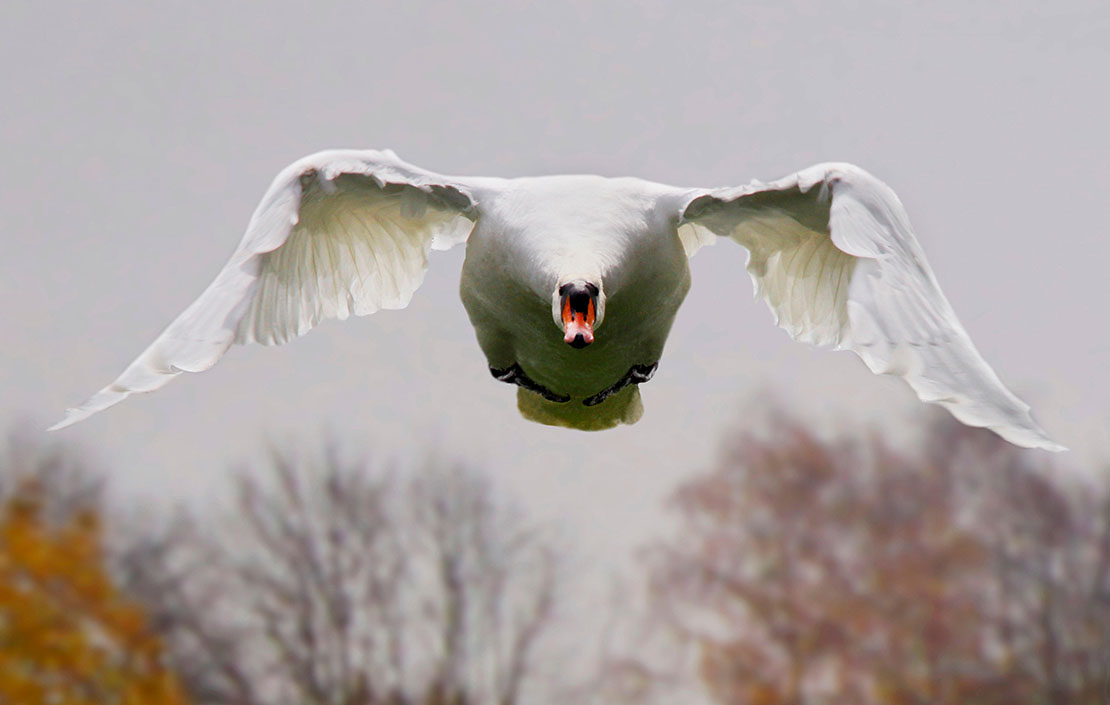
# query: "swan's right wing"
337, 233
832, 253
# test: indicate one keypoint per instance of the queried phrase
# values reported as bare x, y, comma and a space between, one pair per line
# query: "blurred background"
781, 526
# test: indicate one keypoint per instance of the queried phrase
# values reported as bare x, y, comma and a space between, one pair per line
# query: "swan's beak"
579, 313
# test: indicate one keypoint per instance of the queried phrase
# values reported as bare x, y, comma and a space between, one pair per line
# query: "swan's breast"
596, 228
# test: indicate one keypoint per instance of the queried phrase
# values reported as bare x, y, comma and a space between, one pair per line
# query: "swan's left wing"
338, 232
832, 253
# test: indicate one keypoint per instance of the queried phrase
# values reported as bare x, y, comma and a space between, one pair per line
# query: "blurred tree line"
805, 570
329, 583
958, 571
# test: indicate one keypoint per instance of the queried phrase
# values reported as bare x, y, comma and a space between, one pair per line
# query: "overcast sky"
138, 137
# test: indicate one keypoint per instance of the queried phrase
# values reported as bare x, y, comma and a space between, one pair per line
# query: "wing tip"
1020, 429
1034, 438
72, 416
109, 396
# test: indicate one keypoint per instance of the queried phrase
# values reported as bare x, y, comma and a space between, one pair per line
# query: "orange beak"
579, 326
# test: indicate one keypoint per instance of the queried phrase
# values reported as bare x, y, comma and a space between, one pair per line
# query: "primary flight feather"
572, 282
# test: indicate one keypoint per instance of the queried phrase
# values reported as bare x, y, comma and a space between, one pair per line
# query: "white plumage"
347, 232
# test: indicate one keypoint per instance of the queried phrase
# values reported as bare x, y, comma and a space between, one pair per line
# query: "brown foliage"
954, 573
68, 636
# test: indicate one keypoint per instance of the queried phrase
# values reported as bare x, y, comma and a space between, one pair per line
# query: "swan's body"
550, 260
534, 234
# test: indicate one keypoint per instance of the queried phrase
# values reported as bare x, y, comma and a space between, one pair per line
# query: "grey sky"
138, 137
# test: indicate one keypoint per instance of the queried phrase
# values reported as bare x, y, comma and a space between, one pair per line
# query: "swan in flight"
572, 282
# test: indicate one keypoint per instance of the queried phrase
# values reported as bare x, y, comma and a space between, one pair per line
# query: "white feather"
337, 233
833, 255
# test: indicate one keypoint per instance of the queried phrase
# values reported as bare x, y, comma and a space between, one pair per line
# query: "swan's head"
578, 307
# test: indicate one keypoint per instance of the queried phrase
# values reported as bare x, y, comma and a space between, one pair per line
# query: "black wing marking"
637, 374
515, 375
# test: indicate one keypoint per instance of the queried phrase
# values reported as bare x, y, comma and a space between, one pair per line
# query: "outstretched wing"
337, 233
832, 253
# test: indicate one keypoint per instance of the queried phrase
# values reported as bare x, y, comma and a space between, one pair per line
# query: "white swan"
572, 282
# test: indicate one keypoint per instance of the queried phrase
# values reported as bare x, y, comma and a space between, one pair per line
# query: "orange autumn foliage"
67, 634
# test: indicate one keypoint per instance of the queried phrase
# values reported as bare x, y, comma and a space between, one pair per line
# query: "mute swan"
572, 282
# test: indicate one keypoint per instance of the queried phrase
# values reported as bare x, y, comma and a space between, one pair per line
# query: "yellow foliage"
67, 634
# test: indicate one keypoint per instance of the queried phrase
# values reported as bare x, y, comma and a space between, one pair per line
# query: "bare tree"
848, 571
334, 585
